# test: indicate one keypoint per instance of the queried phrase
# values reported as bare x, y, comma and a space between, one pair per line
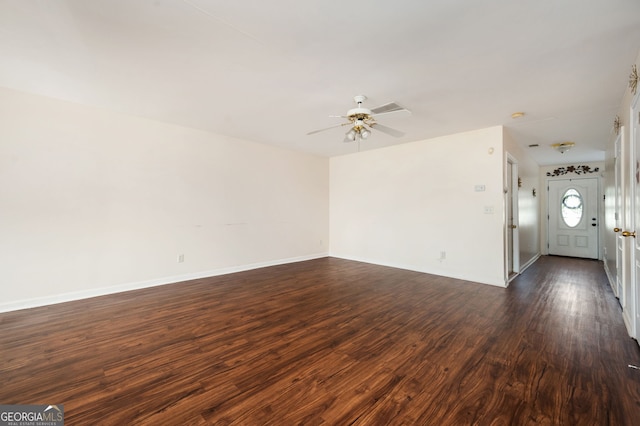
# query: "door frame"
596, 205
619, 241
511, 235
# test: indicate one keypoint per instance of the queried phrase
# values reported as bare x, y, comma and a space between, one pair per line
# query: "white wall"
528, 204
93, 202
403, 205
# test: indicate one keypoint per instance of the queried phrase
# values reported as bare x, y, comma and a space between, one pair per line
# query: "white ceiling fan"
362, 120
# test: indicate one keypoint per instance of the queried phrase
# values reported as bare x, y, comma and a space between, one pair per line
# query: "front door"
573, 217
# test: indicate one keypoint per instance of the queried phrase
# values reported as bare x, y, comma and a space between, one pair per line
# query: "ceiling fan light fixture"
563, 147
362, 121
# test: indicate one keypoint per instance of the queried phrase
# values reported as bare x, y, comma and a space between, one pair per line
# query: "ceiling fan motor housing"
359, 113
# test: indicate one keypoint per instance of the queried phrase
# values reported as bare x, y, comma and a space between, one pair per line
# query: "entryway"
573, 217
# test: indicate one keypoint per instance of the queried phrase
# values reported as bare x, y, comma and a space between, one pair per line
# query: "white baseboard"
529, 263
85, 294
628, 323
611, 279
448, 274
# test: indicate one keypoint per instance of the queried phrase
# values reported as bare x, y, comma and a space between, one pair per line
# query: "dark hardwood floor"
333, 342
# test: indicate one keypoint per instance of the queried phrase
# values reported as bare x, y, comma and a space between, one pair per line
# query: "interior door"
573, 217
634, 218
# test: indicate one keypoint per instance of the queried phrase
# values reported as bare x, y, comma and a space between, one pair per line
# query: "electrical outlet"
180, 258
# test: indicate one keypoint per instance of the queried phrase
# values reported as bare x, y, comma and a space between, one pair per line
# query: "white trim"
524, 267
85, 294
463, 277
529, 263
610, 278
511, 248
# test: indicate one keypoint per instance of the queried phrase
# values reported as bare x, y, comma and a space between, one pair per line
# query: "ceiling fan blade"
387, 130
327, 128
388, 108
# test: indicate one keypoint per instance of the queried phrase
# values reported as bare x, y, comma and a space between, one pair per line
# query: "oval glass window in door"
572, 208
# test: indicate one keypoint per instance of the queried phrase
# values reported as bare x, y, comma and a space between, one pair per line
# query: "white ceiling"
271, 71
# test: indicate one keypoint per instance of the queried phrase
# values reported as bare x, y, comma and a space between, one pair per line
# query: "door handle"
512, 226
629, 234
617, 229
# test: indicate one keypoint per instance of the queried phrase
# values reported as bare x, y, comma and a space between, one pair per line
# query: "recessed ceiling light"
517, 115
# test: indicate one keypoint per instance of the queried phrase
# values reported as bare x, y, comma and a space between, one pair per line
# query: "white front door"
573, 217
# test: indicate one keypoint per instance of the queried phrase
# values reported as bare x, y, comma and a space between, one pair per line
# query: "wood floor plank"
332, 342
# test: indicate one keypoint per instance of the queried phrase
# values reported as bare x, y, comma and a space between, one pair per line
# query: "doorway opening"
512, 260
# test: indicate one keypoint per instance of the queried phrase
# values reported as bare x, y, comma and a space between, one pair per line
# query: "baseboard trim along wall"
611, 278
448, 274
529, 263
524, 267
78, 295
